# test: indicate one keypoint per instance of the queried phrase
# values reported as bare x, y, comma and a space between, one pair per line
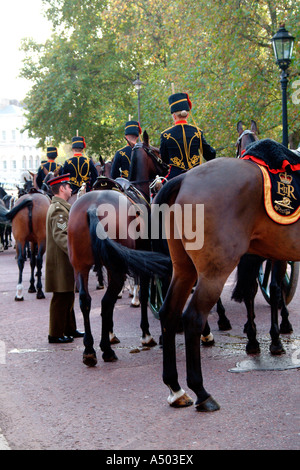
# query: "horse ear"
146, 138
254, 127
240, 127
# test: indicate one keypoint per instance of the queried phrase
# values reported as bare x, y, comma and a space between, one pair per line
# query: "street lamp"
138, 85
283, 44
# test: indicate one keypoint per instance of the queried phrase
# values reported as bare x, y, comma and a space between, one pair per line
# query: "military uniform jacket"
59, 275
50, 165
82, 170
121, 163
182, 145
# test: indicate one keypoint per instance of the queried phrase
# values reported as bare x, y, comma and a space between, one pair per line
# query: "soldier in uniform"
81, 168
183, 146
59, 275
122, 158
49, 165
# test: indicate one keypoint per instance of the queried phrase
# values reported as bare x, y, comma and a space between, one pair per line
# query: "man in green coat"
59, 275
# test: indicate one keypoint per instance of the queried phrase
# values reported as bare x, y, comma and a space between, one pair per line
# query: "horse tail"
164, 196
119, 258
247, 273
8, 215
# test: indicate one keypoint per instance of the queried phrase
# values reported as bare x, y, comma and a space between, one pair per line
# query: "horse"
234, 223
247, 273
5, 229
28, 219
128, 253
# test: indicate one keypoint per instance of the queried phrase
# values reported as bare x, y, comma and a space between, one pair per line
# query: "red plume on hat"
189, 101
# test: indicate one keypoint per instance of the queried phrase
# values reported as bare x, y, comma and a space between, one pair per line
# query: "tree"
218, 51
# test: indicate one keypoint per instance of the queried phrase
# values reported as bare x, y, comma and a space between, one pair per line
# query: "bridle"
239, 141
155, 158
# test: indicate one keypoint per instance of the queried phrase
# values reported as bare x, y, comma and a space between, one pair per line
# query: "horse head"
246, 136
146, 164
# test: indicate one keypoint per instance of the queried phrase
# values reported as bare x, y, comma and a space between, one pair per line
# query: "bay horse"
117, 211
247, 273
5, 229
235, 222
28, 219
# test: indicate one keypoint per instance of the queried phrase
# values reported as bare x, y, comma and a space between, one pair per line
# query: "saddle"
280, 168
119, 184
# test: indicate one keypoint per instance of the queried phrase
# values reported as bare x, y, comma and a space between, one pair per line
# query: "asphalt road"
51, 401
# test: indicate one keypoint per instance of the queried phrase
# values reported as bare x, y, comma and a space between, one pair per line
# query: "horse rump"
7, 216
119, 258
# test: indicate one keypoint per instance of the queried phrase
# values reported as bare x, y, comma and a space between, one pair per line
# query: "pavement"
51, 401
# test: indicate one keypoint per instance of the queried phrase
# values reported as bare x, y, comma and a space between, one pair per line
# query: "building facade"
18, 151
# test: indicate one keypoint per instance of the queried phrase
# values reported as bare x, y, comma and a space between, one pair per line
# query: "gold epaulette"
168, 128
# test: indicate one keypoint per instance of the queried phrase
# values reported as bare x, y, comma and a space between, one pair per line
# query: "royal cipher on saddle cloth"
280, 168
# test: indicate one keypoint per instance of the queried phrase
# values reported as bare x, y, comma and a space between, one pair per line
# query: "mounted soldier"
182, 146
81, 168
122, 158
49, 166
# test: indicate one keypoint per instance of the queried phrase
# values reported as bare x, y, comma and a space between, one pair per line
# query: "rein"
156, 158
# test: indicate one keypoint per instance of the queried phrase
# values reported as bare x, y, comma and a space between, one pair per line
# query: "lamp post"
283, 44
138, 85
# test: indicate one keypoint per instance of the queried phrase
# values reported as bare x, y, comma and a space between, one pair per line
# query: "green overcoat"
59, 275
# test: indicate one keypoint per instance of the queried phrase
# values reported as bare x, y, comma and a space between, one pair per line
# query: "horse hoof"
277, 349
109, 357
208, 340
135, 304
113, 339
18, 299
182, 402
207, 405
31, 290
89, 360
253, 348
148, 341
286, 329
40, 295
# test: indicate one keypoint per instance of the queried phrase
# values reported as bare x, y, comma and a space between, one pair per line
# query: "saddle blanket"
280, 169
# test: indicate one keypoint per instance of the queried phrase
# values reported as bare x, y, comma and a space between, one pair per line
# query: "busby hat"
78, 142
59, 179
179, 102
133, 128
51, 152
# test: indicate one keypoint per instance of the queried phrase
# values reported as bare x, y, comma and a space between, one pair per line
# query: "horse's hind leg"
39, 264
275, 297
207, 338
183, 279
147, 339
32, 288
195, 316
116, 282
89, 353
20, 261
223, 321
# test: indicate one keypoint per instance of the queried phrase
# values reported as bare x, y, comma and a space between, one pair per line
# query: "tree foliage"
218, 51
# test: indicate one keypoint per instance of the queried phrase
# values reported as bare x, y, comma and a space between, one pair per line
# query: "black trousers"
62, 317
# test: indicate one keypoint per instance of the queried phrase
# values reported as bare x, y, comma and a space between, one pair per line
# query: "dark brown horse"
125, 218
235, 222
28, 219
247, 274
